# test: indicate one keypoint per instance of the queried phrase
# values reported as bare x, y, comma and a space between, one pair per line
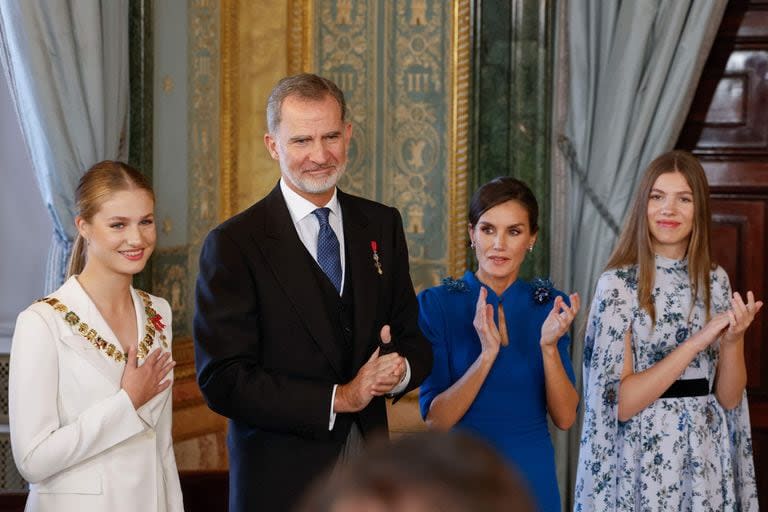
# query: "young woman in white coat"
91, 367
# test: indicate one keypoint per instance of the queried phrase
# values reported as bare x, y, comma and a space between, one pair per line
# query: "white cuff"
403, 382
332, 418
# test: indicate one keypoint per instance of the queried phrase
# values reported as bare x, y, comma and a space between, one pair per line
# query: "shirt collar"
300, 207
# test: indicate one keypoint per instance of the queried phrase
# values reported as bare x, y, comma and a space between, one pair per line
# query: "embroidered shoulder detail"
153, 326
542, 290
455, 285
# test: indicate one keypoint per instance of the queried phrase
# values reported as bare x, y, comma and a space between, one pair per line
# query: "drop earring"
530, 248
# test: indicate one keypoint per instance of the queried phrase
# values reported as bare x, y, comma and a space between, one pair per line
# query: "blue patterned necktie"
328, 248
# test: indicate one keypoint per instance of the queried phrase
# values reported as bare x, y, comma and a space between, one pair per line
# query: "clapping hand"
490, 338
559, 320
142, 383
740, 316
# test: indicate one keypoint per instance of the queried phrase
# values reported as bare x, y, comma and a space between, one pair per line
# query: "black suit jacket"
268, 355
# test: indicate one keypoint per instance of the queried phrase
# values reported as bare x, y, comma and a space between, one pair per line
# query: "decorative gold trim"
152, 327
300, 34
458, 176
228, 112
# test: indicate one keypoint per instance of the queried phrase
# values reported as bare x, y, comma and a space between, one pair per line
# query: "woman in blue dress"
500, 343
666, 424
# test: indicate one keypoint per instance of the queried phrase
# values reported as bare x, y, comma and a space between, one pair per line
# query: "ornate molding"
204, 116
459, 147
300, 34
228, 114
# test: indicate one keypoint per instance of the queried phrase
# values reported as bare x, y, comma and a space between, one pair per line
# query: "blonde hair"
96, 186
635, 245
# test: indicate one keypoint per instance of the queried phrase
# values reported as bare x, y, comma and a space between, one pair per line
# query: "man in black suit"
305, 312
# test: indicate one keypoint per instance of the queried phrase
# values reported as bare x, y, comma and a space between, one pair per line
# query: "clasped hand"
142, 383
377, 377
730, 324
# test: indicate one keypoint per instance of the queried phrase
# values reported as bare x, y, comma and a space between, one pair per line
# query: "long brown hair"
635, 246
96, 185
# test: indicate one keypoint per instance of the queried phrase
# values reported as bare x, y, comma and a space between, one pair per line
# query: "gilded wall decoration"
256, 51
417, 129
300, 36
170, 280
404, 66
459, 169
203, 118
344, 53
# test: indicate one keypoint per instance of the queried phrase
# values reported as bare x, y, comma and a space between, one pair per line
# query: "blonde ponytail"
77, 257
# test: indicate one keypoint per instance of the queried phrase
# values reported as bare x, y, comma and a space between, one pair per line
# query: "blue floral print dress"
682, 454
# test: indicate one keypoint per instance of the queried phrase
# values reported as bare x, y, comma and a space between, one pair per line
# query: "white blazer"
75, 435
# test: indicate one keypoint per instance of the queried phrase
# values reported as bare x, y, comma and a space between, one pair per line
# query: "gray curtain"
66, 63
634, 66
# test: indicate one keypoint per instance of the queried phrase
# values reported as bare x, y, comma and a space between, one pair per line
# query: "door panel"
738, 245
727, 128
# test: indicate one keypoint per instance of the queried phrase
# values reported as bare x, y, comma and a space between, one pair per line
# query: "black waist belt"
687, 387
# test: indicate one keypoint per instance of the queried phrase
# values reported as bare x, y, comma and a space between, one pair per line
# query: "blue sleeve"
432, 323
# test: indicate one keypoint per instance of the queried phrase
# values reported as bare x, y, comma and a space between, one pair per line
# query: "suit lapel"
358, 235
74, 297
288, 258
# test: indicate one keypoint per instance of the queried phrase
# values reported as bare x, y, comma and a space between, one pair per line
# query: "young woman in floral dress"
666, 424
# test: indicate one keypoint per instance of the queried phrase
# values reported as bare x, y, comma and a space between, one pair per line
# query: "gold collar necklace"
153, 324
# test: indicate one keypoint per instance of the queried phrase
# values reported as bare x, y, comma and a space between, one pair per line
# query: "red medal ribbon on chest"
376, 262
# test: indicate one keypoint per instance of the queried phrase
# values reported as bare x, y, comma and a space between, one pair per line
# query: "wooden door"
727, 128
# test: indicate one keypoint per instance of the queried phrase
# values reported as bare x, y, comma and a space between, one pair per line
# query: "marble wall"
512, 75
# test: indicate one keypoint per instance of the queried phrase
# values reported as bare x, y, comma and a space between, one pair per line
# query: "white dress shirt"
307, 225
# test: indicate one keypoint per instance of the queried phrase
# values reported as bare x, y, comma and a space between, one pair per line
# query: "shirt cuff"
332, 418
403, 382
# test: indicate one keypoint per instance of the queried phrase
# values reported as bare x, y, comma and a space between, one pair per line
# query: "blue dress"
510, 410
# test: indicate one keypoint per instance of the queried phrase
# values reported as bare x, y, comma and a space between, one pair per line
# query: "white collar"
299, 207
